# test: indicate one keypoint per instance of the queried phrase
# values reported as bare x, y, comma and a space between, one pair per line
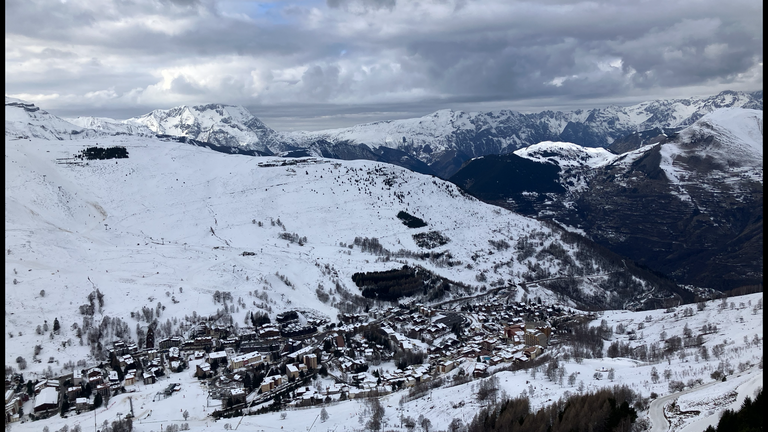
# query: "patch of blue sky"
272, 12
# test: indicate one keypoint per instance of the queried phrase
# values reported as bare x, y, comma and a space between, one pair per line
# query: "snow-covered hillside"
441, 129
110, 126
567, 155
170, 224
446, 138
730, 140
222, 125
24, 120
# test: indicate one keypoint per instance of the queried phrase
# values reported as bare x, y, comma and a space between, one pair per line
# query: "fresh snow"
566, 154
173, 221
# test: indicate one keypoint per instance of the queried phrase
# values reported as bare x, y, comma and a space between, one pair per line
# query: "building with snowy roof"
47, 400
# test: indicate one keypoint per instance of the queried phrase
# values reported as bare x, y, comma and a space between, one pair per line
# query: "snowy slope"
170, 224
25, 120
224, 125
508, 130
175, 217
446, 138
110, 126
567, 154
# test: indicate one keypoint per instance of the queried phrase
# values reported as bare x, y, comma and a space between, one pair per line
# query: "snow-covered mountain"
173, 223
221, 125
23, 120
689, 205
110, 126
446, 139
441, 141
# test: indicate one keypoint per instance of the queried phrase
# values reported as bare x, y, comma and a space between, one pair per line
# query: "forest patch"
410, 220
91, 153
430, 240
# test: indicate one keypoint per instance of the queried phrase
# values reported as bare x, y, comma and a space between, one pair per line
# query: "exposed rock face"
689, 206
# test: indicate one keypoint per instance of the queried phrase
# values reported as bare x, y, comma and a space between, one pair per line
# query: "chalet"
339, 340
77, 377
368, 354
74, 392
8, 396
481, 369
149, 378
42, 385
217, 357
173, 353
532, 351
130, 378
13, 405
203, 370
81, 404
64, 378
119, 348
248, 335
103, 389
269, 331
426, 311
488, 344
446, 366
174, 341
47, 401
113, 378
245, 360
237, 395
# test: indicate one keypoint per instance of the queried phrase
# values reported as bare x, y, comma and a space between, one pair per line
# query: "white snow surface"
25, 120
565, 154
202, 122
740, 132
174, 216
110, 126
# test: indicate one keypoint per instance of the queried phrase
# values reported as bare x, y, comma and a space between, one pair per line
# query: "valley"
272, 289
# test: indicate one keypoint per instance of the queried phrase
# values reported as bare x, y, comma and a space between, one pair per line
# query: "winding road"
656, 412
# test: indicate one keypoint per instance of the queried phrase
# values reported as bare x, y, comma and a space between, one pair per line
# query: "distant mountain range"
439, 143
674, 184
689, 205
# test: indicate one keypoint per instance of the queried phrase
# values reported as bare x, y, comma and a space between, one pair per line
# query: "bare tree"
377, 414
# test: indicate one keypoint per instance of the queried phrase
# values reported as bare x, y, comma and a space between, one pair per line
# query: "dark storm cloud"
346, 58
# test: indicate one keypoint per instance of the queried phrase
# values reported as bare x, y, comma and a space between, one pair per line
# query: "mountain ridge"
438, 143
689, 205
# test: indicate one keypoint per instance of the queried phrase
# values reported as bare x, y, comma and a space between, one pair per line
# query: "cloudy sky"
313, 64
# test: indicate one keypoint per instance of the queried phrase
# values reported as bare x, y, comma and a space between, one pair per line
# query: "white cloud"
436, 54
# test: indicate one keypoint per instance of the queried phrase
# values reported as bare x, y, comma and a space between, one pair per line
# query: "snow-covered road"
656, 412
